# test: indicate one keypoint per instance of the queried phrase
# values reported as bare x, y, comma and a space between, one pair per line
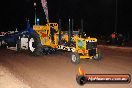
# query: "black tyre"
98, 56
81, 80
18, 45
35, 46
54, 51
0, 43
47, 50
3, 45
75, 58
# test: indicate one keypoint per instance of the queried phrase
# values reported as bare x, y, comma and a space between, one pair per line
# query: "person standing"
53, 31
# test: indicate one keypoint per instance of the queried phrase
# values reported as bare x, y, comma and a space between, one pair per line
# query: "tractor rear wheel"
35, 46
75, 58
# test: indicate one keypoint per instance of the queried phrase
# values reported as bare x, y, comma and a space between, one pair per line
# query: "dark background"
98, 15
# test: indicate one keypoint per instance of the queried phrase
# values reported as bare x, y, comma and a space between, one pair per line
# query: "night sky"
98, 15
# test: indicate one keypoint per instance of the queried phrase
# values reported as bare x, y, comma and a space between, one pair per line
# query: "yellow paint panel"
84, 57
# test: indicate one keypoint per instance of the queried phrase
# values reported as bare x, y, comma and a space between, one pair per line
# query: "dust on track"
57, 71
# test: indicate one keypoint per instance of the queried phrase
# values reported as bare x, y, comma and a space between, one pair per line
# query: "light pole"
35, 12
69, 32
116, 19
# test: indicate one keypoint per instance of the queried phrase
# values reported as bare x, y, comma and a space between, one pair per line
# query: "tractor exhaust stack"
59, 30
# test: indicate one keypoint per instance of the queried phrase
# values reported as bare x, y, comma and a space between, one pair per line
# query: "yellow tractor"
45, 40
49, 38
81, 48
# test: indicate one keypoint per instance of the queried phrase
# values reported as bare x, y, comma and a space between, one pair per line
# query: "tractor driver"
52, 32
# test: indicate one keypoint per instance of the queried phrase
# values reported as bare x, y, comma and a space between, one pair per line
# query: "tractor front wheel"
75, 58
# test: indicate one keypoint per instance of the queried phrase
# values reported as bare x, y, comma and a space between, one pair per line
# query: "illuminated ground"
56, 71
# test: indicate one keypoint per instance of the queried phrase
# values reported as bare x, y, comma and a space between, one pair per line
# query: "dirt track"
57, 71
